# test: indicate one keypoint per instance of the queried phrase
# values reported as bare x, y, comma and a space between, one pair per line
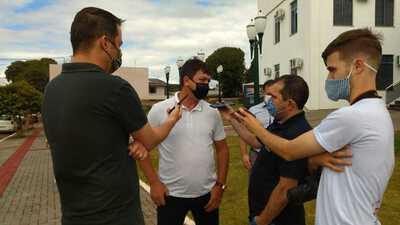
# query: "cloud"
156, 32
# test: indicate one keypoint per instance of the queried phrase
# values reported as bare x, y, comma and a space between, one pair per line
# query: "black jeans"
175, 210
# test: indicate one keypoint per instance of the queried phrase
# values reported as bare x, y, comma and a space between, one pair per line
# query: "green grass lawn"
234, 208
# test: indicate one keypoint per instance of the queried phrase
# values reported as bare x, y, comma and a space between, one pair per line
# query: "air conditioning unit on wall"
296, 63
280, 14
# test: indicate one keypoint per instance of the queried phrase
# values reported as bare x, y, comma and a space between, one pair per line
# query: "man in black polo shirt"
271, 176
88, 116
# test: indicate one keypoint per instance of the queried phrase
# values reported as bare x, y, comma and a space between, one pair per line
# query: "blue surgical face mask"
271, 107
340, 89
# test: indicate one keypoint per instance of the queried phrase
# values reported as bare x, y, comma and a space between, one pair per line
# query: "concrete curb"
9, 136
146, 187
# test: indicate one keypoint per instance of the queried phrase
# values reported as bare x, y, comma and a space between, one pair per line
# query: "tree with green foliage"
232, 59
35, 72
19, 98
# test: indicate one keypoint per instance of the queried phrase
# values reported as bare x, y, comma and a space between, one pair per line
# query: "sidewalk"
30, 196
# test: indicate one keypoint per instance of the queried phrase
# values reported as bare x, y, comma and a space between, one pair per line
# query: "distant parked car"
7, 124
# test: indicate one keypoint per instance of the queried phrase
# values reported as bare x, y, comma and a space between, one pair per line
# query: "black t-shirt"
88, 115
269, 167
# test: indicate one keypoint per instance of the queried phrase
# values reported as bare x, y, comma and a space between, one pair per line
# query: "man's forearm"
245, 134
148, 170
162, 131
305, 145
222, 153
276, 203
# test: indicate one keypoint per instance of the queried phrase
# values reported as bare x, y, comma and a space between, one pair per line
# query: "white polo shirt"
350, 198
187, 163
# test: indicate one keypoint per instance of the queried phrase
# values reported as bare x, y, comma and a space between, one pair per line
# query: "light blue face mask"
340, 89
271, 107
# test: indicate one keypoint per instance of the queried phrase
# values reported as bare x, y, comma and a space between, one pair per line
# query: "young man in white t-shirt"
351, 197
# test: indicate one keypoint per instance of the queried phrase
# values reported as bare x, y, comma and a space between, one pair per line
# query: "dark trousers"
175, 210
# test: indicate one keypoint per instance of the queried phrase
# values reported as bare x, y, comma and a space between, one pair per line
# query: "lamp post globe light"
255, 33
201, 55
179, 64
167, 70
220, 68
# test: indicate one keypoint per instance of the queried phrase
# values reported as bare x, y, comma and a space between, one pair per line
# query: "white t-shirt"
351, 197
187, 163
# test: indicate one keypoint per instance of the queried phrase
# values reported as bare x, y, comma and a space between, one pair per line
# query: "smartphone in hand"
219, 105
238, 111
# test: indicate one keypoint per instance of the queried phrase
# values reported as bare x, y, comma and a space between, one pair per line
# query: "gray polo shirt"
187, 163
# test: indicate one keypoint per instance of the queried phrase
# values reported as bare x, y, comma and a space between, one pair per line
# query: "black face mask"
117, 62
201, 90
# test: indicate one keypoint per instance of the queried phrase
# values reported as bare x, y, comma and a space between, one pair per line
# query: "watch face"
223, 186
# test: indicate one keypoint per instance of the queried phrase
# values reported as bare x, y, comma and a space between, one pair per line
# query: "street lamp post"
255, 29
220, 68
179, 64
167, 70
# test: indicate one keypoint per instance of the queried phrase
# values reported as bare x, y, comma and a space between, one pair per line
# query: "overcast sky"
155, 34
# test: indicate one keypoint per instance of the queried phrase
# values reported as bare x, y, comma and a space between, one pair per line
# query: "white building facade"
138, 77
298, 31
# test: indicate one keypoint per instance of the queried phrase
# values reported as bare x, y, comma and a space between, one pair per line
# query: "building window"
343, 12
384, 12
384, 78
276, 67
277, 30
152, 90
293, 16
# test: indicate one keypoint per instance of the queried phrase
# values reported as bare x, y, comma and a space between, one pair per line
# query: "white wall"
137, 77
160, 93
315, 32
290, 46
363, 16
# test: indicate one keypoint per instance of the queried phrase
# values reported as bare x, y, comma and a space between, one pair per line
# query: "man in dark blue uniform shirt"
271, 176
88, 116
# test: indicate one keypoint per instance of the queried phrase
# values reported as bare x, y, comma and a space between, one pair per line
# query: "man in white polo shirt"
187, 179
351, 197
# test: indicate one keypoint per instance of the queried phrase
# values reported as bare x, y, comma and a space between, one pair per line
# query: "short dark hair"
91, 23
295, 88
191, 67
268, 83
356, 41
